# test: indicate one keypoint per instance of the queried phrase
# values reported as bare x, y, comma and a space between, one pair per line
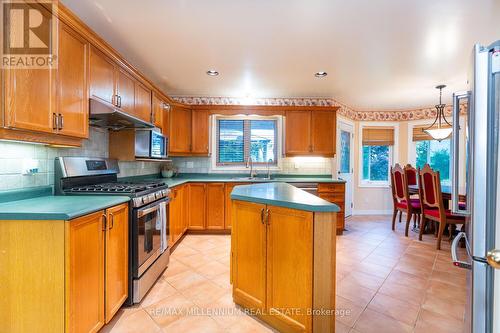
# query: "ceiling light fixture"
443, 129
212, 72
320, 74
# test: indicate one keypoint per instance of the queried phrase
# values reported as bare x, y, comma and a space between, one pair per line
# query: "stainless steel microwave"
150, 144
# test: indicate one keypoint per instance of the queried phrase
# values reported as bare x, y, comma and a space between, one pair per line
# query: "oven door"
149, 229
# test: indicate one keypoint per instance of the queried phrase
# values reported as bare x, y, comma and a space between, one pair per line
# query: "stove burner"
121, 187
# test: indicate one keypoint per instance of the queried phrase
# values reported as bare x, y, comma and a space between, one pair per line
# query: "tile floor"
385, 283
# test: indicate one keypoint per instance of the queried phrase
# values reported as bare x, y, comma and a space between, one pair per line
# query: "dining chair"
401, 198
411, 179
432, 207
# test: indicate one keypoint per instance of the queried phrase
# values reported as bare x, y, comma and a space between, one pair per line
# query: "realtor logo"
29, 34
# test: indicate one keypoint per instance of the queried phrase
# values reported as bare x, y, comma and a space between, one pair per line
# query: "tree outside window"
436, 154
376, 163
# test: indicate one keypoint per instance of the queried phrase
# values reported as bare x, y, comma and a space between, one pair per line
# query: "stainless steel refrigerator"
479, 166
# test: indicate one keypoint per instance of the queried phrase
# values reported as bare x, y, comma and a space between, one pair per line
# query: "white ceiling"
379, 54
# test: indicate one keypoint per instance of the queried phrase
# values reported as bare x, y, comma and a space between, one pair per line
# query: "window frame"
237, 166
393, 153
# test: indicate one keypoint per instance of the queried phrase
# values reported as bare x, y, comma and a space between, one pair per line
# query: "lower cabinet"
215, 206
197, 212
98, 268
63, 276
335, 193
228, 204
176, 214
272, 263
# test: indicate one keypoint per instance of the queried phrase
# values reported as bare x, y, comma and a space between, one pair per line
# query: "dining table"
445, 189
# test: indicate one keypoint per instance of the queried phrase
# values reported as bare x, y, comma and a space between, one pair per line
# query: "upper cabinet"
50, 102
160, 113
310, 133
72, 83
115, 85
102, 76
189, 131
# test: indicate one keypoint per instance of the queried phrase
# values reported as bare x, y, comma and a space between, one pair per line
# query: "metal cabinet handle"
267, 217
454, 246
119, 101
111, 221
55, 121
493, 258
455, 154
104, 222
61, 121
262, 215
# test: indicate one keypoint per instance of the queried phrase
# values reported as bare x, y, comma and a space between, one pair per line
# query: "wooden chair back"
430, 189
398, 183
411, 174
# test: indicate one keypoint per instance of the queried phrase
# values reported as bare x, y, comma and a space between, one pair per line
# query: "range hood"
106, 115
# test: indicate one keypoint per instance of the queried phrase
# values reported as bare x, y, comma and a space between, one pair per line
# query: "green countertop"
57, 207
282, 195
238, 178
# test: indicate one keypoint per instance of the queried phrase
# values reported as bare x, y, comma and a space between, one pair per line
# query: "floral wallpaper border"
344, 110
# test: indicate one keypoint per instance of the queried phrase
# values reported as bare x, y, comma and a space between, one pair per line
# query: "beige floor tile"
246, 324
429, 321
403, 293
407, 279
193, 324
444, 306
171, 309
341, 327
204, 293
355, 293
374, 322
160, 290
366, 280
348, 311
139, 321
402, 311
213, 268
175, 267
185, 280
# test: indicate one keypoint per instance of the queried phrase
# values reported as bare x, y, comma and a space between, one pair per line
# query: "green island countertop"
60, 207
237, 178
282, 195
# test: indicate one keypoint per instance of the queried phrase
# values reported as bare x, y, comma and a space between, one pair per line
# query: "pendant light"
440, 128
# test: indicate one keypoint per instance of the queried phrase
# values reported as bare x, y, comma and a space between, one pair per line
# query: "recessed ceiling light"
320, 74
212, 72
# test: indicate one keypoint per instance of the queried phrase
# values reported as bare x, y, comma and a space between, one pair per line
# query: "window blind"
420, 135
230, 141
378, 136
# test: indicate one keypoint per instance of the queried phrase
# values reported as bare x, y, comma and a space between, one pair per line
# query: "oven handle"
142, 212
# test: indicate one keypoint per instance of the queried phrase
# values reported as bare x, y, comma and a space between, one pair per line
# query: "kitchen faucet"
250, 165
269, 168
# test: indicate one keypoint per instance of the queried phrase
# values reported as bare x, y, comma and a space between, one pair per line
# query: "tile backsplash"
289, 165
17, 157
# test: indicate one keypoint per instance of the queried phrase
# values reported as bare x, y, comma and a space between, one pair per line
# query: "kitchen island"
283, 256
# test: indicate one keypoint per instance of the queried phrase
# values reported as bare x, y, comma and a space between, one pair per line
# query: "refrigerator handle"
455, 142
454, 256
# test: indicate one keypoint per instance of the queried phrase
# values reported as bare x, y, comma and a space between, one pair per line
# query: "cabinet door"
323, 133
298, 133
228, 215
335, 193
158, 113
102, 76
197, 211
215, 205
86, 273
72, 89
175, 215
180, 130
248, 255
142, 108
290, 251
116, 259
185, 210
125, 91
200, 138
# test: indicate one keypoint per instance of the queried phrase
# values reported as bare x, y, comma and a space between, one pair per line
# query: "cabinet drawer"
331, 187
337, 198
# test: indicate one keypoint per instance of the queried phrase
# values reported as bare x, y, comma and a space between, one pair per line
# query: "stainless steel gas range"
149, 205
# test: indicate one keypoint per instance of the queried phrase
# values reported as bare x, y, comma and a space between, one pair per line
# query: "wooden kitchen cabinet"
200, 132
215, 205
116, 260
310, 133
102, 77
228, 215
197, 204
178, 212
63, 276
160, 114
248, 255
142, 104
180, 130
335, 193
86, 273
72, 80
298, 133
125, 91
189, 131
